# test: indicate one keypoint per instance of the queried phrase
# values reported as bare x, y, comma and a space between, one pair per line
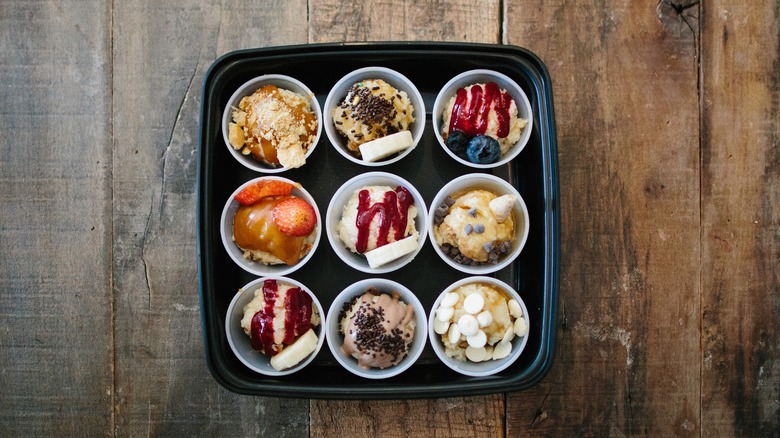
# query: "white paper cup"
235, 253
395, 79
240, 342
335, 339
479, 77
487, 367
342, 197
283, 82
473, 181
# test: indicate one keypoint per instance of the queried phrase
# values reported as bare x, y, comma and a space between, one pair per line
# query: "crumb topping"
276, 118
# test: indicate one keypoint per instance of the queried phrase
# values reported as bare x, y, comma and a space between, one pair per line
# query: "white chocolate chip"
468, 325
502, 207
449, 300
453, 334
509, 334
502, 350
521, 327
474, 303
478, 340
485, 318
440, 327
476, 354
514, 308
444, 314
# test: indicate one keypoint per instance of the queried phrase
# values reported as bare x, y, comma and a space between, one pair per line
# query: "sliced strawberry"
294, 217
259, 190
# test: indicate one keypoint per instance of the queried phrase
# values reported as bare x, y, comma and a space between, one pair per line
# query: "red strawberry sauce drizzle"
393, 212
471, 115
297, 319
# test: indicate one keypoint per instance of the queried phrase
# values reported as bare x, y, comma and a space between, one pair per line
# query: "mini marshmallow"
474, 303
514, 308
440, 327
520, 327
444, 314
502, 350
453, 335
476, 354
478, 340
485, 319
468, 325
449, 300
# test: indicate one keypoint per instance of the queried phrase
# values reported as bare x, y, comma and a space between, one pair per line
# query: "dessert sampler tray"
534, 274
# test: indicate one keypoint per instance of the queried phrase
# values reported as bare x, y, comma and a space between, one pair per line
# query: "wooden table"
669, 155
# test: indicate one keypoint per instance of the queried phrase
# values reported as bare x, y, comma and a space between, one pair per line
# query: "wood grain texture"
625, 88
55, 227
408, 20
480, 416
741, 219
161, 53
669, 158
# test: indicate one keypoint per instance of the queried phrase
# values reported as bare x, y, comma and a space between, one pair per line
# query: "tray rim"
374, 390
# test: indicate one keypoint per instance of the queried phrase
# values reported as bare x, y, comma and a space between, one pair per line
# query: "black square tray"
429, 65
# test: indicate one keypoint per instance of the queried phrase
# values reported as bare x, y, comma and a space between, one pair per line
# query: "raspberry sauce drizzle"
297, 318
392, 211
262, 338
471, 110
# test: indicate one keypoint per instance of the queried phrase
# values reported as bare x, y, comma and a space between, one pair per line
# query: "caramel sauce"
262, 150
254, 229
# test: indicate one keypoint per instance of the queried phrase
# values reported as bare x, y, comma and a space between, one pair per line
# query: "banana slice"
295, 352
387, 253
375, 150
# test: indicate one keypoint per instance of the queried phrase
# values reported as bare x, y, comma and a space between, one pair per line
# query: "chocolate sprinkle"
368, 108
371, 336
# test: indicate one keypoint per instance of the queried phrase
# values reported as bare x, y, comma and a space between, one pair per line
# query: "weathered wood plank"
373, 21
408, 20
161, 52
449, 417
741, 218
625, 85
55, 219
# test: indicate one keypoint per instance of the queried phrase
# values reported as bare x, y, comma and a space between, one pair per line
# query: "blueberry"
457, 142
483, 150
